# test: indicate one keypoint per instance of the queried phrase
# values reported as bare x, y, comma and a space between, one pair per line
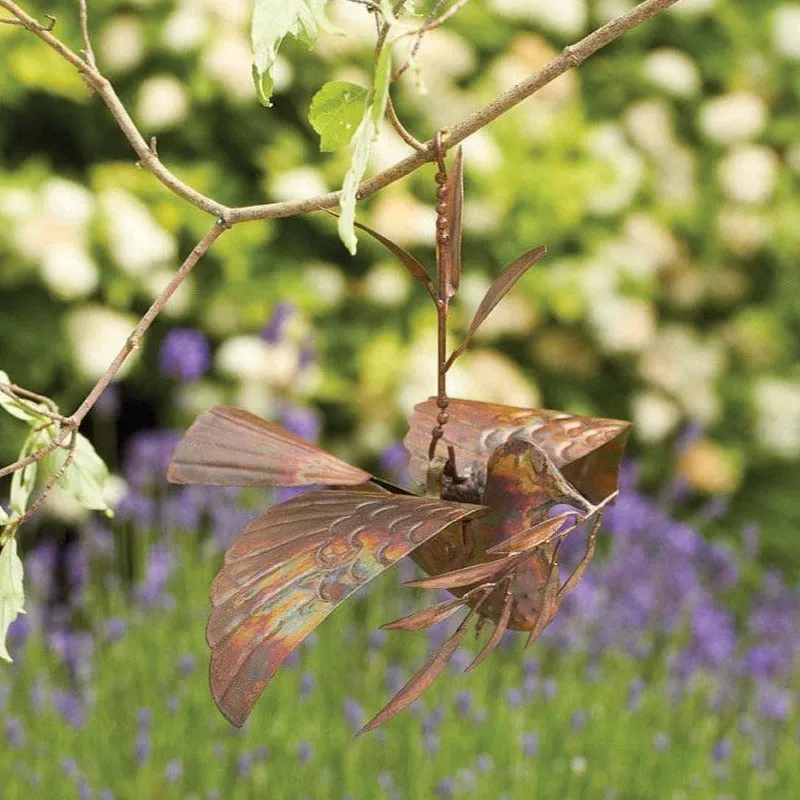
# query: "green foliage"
335, 113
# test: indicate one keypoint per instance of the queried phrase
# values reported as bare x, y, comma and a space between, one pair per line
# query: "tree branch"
88, 51
572, 56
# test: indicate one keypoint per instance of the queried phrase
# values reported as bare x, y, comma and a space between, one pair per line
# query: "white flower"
481, 217
748, 174
327, 282
404, 219
565, 18
185, 29
17, 203
786, 30
686, 367
777, 403
136, 241
97, 334
481, 153
298, 183
69, 202
444, 56
578, 765
651, 246
743, 231
228, 60
162, 102
622, 324
252, 360
121, 45
649, 124
68, 271
673, 71
692, 8
677, 177
734, 117
387, 284
607, 142
654, 416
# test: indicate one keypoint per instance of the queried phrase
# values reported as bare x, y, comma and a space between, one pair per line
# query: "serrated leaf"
20, 410
335, 113
85, 477
12, 595
272, 21
365, 135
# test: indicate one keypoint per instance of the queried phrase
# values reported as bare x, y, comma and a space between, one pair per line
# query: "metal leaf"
497, 634
232, 447
419, 682
413, 265
292, 566
540, 534
465, 576
426, 617
497, 291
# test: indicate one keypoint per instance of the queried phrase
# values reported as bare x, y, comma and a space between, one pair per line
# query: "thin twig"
51, 482
22, 395
134, 340
88, 52
430, 23
37, 456
400, 129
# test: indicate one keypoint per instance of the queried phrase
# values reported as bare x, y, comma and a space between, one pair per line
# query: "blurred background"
663, 177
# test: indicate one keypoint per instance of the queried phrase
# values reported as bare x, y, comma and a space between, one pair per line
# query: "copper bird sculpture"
481, 525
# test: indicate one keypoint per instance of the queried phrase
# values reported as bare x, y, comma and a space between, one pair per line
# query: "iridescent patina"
480, 521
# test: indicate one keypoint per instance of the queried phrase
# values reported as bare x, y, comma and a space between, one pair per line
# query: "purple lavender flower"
15, 733
432, 720
549, 688
660, 742
530, 744
185, 354
109, 402
431, 741
303, 422
774, 703
69, 766
385, 781
147, 456
275, 329
84, 790
159, 567
244, 763
115, 629
354, 714
445, 788
722, 750
376, 639
484, 763
305, 752
751, 537
71, 708
393, 461
463, 703
578, 719
307, 682
187, 664
514, 697
143, 748
635, 690
173, 771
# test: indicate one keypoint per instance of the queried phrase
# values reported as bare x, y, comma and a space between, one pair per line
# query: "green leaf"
12, 595
365, 135
17, 408
272, 21
86, 477
335, 113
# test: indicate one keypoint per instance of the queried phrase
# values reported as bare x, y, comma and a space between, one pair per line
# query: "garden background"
663, 176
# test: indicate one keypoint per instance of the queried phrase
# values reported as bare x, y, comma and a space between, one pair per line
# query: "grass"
612, 754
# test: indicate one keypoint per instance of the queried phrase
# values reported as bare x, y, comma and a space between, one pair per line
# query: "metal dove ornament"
480, 522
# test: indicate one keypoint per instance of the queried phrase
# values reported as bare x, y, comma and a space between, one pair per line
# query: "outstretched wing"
232, 447
293, 565
586, 449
